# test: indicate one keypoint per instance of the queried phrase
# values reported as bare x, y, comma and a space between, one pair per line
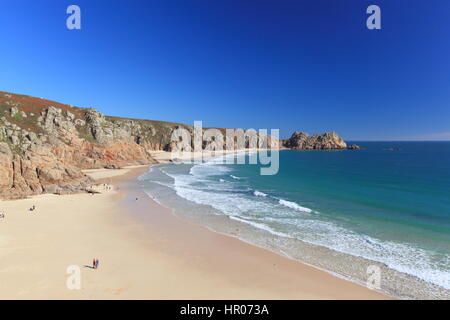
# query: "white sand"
166, 156
109, 173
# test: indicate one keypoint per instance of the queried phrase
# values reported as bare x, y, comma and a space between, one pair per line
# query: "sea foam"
278, 216
294, 206
259, 193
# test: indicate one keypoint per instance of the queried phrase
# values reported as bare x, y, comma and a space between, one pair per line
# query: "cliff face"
44, 145
326, 141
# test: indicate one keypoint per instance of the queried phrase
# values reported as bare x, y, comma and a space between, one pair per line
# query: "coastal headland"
45, 145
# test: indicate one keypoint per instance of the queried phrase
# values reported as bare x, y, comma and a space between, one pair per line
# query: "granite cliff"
326, 141
45, 145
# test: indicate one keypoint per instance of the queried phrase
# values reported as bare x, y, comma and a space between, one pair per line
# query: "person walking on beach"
93, 264
96, 263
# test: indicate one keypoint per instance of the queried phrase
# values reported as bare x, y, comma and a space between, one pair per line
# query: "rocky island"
326, 141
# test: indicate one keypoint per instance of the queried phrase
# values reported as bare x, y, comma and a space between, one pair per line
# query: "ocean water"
386, 205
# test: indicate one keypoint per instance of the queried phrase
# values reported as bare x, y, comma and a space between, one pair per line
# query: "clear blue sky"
308, 65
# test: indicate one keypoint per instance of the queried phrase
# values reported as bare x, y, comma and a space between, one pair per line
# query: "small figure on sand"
95, 263
33, 208
2, 215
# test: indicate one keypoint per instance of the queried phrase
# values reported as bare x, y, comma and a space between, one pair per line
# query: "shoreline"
147, 252
277, 252
395, 282
165, 157
274, 255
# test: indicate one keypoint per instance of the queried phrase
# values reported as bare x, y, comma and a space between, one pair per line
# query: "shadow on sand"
90, 267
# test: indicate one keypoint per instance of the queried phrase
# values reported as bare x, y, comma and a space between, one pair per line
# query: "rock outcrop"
44, 145
326, 141
354, 147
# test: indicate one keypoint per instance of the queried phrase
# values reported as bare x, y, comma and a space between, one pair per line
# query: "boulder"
354, 147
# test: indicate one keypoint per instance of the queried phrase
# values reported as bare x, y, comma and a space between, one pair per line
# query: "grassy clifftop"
28, 113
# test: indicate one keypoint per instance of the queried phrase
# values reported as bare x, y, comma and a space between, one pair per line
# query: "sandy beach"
145, 252
167, 157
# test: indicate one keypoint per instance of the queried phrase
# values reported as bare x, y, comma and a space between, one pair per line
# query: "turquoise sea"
386, 205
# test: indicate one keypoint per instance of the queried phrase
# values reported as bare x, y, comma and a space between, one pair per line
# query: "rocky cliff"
326, 141
44, 145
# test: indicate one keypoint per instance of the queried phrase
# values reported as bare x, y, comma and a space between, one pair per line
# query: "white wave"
260, 226
294, 206
259, 193
234, 177
208, 169
263, 213
145, 175
398, 256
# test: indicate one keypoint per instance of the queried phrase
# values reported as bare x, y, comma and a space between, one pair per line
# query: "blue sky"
309, 65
